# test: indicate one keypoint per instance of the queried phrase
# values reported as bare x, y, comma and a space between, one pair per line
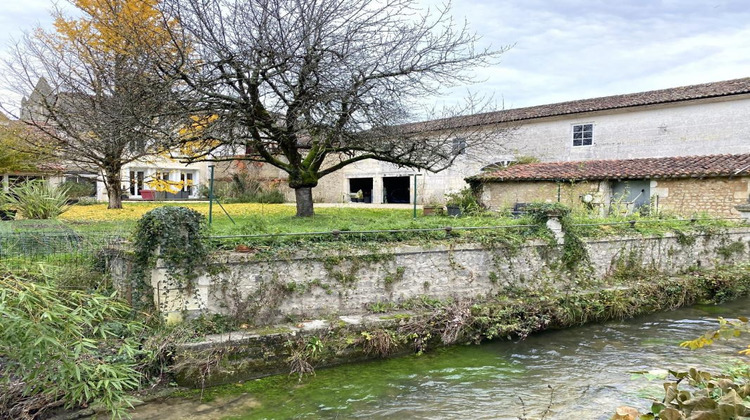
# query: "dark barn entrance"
360, 184
396, 189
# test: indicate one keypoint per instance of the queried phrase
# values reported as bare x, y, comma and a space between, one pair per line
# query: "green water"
580, 373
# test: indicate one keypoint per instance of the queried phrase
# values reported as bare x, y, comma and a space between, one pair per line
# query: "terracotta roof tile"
666, 167
677, 94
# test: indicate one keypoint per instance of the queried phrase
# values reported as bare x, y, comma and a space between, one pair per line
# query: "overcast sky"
567, 49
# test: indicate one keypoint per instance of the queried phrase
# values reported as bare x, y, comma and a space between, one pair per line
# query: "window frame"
582, 132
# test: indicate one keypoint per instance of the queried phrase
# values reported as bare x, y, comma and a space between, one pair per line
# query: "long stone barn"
686, 185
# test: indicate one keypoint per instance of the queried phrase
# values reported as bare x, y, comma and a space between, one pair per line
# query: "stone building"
697, 120
711, 184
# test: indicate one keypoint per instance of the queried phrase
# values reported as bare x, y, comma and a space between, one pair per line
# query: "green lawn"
254, 218
270, 219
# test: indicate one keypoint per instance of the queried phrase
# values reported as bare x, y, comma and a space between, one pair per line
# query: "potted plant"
453, 204
462, 202
432, 207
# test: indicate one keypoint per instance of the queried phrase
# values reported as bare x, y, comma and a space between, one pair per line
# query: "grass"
252, 218
82, 231
647, 225
258, 219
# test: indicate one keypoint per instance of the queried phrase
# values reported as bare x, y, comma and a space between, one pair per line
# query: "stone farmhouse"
689, 121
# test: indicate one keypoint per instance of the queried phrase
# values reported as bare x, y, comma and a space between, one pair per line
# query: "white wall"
684, 129
159, 164
699, 127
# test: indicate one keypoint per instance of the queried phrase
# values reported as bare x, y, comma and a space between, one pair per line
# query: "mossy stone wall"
306, 285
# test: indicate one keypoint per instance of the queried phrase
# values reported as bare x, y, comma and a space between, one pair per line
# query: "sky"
563, 49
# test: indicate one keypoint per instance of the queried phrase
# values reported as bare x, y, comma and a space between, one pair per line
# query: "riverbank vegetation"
65, 347
423, 325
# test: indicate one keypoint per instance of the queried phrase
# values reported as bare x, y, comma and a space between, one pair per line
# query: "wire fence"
366, 236
436, 232
24, 248
67, 246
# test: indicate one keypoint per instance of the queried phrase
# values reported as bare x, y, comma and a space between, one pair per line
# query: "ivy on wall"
173, 235
574, 252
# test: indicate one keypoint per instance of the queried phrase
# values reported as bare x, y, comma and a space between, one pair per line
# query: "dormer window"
583, 134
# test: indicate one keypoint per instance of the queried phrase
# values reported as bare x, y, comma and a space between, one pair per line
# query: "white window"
583, 134
136, 182
187, 181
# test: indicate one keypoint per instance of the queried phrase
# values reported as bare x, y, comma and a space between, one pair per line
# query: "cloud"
19, 17
570, 49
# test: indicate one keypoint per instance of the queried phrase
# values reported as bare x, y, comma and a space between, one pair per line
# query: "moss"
684, 239
273, 330
396, 317
390, 279
344, 269
493, 277
730, 250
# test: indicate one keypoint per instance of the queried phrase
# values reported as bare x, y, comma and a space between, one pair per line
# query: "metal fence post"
211, 196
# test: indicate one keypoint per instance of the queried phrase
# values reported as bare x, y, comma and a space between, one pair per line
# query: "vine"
173, 235
574, 252
344, 269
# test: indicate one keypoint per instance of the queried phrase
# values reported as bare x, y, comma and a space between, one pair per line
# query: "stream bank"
582, 372
324, 304
303, 347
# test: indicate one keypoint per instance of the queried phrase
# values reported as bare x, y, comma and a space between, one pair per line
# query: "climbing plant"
574, 249
173, 235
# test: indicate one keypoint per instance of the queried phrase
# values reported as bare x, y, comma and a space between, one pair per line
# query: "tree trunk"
114, 195
304, 201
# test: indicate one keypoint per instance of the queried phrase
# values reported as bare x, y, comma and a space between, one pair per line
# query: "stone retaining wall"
309, 285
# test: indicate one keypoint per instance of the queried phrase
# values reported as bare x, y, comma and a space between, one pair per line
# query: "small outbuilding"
686, 185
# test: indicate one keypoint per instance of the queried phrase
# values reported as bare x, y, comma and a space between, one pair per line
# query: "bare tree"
310, 86
92, 86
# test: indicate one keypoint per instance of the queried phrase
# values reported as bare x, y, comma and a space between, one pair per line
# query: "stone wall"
714, 196
308, 285
503, 195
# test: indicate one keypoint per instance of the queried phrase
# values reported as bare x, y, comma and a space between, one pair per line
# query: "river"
578, 373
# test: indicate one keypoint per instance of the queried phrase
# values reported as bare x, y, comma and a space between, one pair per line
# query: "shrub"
77, 190
38, 199
64, 347
466, 200
243, 188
